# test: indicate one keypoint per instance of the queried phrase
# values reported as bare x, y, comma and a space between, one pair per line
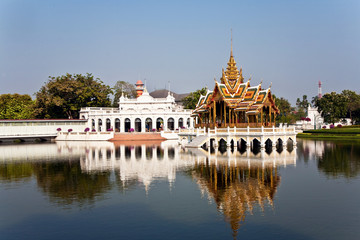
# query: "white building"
142, 114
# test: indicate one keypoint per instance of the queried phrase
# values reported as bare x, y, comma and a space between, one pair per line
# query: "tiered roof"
236, 93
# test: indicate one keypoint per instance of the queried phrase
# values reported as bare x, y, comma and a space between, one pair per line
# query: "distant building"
142, 114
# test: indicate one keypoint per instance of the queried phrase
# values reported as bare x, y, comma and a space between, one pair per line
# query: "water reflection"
239, 181
335, 159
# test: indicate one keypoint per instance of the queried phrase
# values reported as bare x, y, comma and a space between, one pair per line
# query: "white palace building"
142, 114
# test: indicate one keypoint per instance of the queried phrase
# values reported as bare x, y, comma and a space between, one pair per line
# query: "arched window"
170, 124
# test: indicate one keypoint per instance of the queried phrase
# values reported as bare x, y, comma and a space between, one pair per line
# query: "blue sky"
292, 44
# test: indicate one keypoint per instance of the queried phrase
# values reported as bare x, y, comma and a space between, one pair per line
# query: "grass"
334, 133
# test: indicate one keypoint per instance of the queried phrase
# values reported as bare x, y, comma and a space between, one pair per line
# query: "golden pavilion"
234, 103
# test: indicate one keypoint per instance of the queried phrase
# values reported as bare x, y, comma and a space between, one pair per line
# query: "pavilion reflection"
239, 182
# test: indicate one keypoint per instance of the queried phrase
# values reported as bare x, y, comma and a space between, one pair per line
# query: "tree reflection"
236, 190
65, 183
340, 159
10, 172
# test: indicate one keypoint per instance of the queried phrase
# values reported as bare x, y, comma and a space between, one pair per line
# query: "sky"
184, 44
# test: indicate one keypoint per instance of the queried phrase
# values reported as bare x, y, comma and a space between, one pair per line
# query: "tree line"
63, 97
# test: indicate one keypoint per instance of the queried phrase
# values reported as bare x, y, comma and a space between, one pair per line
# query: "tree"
192, 99
121, 87
16, 106
353, 105
332, 106
63, 96
302, 106
286, 111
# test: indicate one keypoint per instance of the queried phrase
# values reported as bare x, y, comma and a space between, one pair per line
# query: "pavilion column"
270, 115
214, 114
225, 114
261, 116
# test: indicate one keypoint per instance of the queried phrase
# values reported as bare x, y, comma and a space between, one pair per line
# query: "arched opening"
93, 124
99, 125
222, 146
159, 124
243, 146
137, 125
159, 153
268, 146
171, 153
117, 125
108, 125
127, 152
170, 124
148, 153
108, 154
127, 125
279, 145
117, 153
181, 123
256, 146
188, 122
148, 125
138, 152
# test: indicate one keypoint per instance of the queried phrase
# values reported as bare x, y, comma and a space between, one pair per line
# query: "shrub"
58, 129
339, 125
154, 130
182, 127
332, 126
324, 127
93, 130
110, 130
131, 130
70, 130
87, 129
307, 119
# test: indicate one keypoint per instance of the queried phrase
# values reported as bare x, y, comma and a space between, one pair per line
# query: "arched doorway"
127, 125
108, 125
92, 124
148, 124
117, 125
170, 124
188, 122
99, 125
159, 124
181, 123
137, 125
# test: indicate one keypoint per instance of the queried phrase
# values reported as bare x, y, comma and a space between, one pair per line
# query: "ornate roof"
236, 93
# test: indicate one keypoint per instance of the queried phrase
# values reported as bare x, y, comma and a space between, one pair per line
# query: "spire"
231, 53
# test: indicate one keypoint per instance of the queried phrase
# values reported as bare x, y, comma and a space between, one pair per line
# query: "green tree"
332, 106
121, 87
16, 106
353, 105
301, 106
286, 110
192, 99
63, 96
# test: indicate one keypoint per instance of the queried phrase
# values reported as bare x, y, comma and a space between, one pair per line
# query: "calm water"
78, 190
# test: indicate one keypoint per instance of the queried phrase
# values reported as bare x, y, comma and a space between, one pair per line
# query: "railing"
239, 131
232, 125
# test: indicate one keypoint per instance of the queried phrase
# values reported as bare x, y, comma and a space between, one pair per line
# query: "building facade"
142, 114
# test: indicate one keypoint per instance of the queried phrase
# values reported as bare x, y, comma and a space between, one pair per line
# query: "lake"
104, 190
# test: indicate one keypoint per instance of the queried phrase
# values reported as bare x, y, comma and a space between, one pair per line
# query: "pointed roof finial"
270, 85
231, 43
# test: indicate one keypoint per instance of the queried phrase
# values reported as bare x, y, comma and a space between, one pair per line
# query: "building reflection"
334, 159
239, 182
144, 163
